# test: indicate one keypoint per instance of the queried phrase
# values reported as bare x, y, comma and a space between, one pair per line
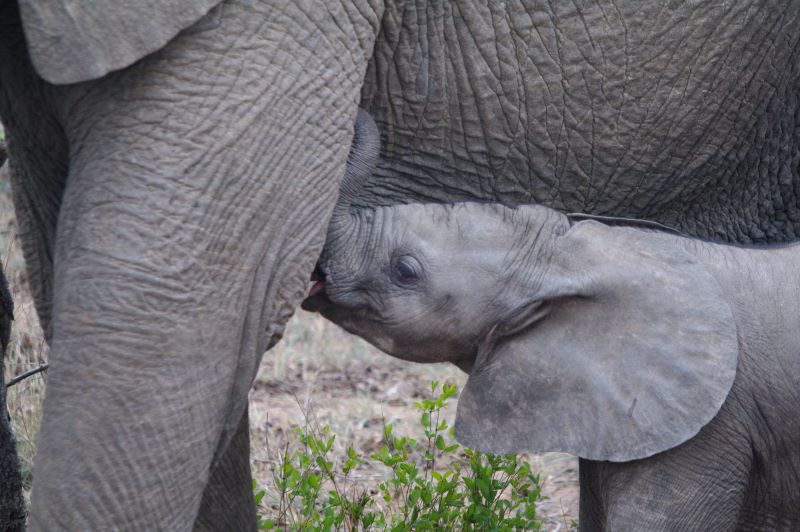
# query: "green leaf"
258, 497
449, 390
484, 488
427, 497
483, 492
425, 419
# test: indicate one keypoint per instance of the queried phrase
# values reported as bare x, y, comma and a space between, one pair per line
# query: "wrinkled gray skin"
174, 170
618, 344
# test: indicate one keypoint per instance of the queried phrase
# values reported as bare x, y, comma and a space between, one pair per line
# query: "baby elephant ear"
637, 352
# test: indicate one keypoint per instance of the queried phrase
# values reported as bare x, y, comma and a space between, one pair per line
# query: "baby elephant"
669, 365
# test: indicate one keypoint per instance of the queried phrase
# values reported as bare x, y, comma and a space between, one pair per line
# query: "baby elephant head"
428, 283
612, 343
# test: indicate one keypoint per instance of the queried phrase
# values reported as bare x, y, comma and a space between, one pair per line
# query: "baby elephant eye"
405, 270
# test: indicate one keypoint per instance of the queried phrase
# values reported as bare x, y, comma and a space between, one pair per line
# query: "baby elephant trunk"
361, 163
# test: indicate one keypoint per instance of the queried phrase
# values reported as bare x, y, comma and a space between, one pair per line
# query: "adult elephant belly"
680, 114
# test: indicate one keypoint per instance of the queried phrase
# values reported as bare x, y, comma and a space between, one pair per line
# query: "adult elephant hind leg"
12, 506
200, 186
228, 502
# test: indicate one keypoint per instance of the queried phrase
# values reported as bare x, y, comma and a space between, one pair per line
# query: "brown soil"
354, 389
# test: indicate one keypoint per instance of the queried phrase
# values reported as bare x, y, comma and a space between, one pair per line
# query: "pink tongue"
316, 288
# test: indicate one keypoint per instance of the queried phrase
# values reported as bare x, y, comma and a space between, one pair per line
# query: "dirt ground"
317, 370
354, 389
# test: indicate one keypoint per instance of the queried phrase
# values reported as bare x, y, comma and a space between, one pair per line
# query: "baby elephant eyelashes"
405, 270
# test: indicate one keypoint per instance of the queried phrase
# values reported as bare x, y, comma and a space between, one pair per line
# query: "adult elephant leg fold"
228, 502
200, 185
38, 163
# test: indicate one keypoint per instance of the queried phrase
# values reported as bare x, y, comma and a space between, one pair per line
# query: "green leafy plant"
432, 483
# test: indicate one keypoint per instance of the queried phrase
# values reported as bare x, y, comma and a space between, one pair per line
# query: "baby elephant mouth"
316, 288
317, 298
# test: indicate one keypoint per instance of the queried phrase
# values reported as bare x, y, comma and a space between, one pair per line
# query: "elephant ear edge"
70, 42
637, 353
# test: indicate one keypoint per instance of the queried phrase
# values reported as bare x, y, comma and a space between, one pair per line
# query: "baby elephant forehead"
459, 221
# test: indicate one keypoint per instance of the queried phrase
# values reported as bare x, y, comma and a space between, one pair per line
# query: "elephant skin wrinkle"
69, 41
680, 113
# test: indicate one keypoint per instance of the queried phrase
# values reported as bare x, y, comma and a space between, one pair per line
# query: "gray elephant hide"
69, 41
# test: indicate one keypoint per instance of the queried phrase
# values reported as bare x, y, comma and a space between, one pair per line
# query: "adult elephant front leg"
200, 184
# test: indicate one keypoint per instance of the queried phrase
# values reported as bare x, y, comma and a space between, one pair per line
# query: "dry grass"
317, 369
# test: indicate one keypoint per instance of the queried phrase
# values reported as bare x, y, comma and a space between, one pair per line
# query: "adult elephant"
174, 169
